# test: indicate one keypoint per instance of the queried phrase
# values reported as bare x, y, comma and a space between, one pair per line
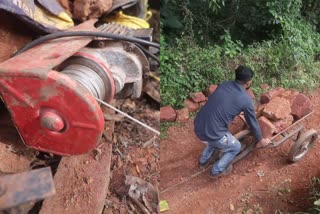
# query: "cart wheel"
302, 145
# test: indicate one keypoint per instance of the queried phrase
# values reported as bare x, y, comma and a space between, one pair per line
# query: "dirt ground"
135, 152
263, 182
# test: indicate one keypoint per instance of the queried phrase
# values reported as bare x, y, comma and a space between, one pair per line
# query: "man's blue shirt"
228, 100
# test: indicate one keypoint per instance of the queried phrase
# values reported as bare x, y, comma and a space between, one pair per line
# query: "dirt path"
263, 182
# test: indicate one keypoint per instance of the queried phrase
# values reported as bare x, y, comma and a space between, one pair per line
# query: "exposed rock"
203, 103
264, 86
167, 113
290, 95
278, 108
267, 128
266, 97
259, 110
237, 125
192, 106
183, 115
90, 9
283, 124
301, 105
251, 94
197, 97
211, 89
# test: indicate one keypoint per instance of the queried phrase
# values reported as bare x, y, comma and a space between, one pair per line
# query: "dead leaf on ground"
113, 117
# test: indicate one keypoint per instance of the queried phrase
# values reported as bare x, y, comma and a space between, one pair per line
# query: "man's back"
229, 99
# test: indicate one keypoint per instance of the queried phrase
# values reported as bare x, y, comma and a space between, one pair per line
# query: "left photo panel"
80, 106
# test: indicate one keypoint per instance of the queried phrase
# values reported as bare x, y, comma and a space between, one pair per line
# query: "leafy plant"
315, 192
288, 58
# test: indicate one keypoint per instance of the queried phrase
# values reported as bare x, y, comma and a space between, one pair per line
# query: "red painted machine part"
30, 89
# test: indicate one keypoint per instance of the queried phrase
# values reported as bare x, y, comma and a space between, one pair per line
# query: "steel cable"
84, 33
89, 79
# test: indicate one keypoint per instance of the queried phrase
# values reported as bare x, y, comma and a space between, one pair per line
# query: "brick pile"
192, 104
279, 108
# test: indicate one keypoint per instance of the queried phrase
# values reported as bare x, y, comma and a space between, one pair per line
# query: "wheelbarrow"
303, 140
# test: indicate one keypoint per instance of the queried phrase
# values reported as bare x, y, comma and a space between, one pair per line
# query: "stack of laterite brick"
279, 108
195, 101
276, 111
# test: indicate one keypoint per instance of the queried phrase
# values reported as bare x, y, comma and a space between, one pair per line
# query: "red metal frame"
52, 112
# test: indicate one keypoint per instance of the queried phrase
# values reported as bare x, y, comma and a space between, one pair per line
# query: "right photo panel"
239, 106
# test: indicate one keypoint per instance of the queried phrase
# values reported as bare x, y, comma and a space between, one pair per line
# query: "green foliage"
163, 129
186, 67
231, 48
315, 193
215, 5
311, 11
287, 58
168, 17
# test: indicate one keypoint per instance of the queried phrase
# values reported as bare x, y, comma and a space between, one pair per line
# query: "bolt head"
51, 121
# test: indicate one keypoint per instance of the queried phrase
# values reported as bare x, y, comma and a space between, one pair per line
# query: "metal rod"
128, 116
286, 137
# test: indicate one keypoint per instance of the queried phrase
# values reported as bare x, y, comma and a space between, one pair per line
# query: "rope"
186, 180
128, 116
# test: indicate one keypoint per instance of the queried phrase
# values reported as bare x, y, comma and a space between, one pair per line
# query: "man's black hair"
243, 74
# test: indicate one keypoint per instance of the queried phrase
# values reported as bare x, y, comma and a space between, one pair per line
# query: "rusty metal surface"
29, 87
82, 181
16, 189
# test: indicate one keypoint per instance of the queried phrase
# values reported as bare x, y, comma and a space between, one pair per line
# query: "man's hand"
263, 142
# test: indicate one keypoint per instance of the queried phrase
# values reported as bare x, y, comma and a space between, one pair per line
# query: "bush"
288, 61
315, 196
187, 67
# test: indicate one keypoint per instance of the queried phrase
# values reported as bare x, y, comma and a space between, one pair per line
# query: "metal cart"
303, 141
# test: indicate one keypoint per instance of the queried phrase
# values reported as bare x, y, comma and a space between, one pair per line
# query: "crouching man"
211, 123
